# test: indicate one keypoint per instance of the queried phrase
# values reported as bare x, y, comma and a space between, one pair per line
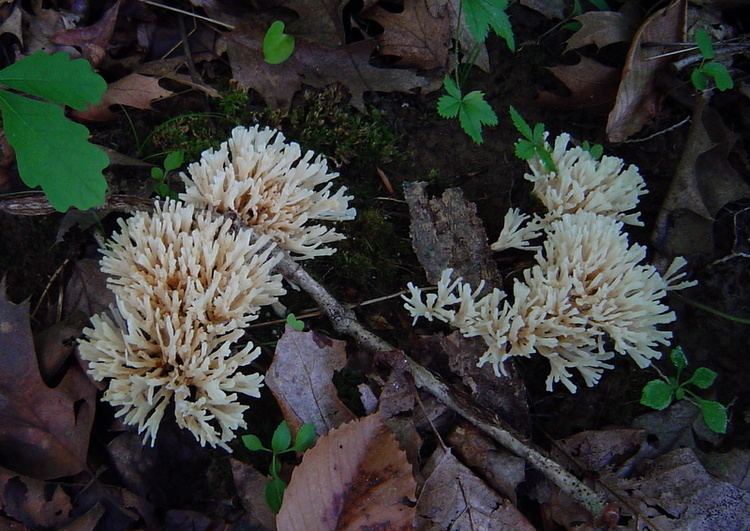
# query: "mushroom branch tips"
590, 294
186, 284
271, 186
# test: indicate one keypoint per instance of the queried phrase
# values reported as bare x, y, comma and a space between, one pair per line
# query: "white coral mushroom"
186, 284
273, 188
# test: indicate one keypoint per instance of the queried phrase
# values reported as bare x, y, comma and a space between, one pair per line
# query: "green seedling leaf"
448, 106
679, 393
305, 438
157, 174
703, 41
702, 378
274, 468
275, 494
699, 79
596, 150
294, 323
54, 153
252, 443
714, 415
277, 45
657, 394
474, 113
451, 87
481, 15
282, 438
678, 358
520, 124
56, 78
720, 74
601, 5
546, 158
173, 160
525, 150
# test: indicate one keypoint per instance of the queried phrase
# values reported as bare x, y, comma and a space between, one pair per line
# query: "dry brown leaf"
593, 86
677, 493
314, 65
33, 502
320, 21
134, 90
603, 28
597, 450
92, 40
251, 486
703, 183
420, 38
454, 498
13, 23
356, 477
39, 26
44, 433
465, 38
549, 8
300, 379
637, 98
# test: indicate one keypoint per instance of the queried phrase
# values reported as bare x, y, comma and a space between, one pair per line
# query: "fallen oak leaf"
593, 86
314, 65
300, 377
33, 502
602, 28
133, 90
362, 481
44, 432
320, 21
92, 40
419, 37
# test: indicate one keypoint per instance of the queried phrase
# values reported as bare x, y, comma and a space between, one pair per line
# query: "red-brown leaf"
356, 477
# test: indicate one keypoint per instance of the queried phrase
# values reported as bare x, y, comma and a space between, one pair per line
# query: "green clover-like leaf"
275, 494
282, 438
252, 443
699, 79
657, 394
294, 323
720, 75
714, 415
277, 45
305, 437
54, 153
173, 160
703, 41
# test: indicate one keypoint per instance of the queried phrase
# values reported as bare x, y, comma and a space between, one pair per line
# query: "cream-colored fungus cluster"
188, 280
588, 297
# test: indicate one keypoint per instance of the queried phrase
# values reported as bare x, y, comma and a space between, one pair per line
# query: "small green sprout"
595, 150
533, 143
281, 443
659, 394
277, 45
472, 110
709, 69
294, 323
172, 161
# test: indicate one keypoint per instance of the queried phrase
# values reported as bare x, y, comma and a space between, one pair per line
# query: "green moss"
190, 133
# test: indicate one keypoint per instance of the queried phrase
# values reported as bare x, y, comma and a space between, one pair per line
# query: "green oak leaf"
277, 45
54, 152
56, 78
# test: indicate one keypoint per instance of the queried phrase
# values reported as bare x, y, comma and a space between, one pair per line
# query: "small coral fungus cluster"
188, 279
589, 296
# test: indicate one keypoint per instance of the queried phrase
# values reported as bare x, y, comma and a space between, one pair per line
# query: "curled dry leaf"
92, 40
32, 502
356, 477
637, 97
314, 65
44, 432
300, 379
419, 36
592, 85
454, 498
133, 90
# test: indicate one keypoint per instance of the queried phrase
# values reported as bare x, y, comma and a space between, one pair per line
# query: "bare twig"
345, 322
36, 204
188, 13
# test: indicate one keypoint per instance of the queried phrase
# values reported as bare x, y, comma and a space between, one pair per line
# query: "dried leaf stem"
345, 322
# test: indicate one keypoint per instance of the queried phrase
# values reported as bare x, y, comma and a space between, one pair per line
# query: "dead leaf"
597, 450
549, 8
703, 183
454, 498
602, 28
593, 86
362, 481
88, 521
44, 433
446, 232
300, 379
419, 37
320, 21
33, 502
39, 26
314, 65
86, 292
677, 493
251, 486
134, 90
465, 38
12, 24
502, 470
92, 40
637, 98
